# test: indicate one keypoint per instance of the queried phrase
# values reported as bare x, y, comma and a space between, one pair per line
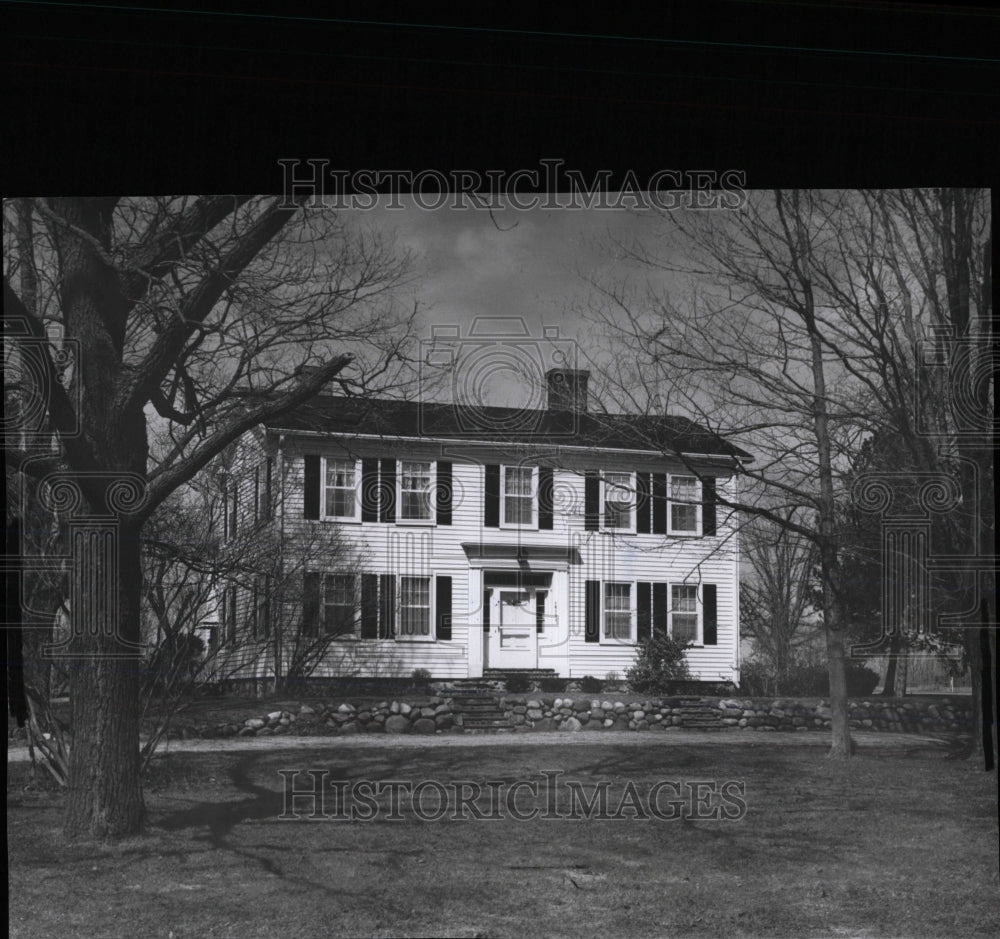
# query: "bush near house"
660, 665
553, 685
591, 685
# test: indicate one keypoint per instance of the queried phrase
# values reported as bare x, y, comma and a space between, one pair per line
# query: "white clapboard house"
492, 538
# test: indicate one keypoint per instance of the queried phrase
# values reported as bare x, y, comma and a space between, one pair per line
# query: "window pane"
415, 606
618, 611
518, 479
617, 500
685, 626
341, 488
519, 495
415, 490
340, 608
684, 615
683, 511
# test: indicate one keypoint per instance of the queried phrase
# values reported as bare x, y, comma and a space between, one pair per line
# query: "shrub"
591, 685
861, 680
758, 679
661, 664
421, 677
553, 684
517, 684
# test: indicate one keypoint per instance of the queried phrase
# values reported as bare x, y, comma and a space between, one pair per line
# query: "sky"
523, 273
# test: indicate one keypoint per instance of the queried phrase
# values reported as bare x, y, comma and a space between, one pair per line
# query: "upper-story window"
619, 501
519, 489
685, 510
342, 478
415, 490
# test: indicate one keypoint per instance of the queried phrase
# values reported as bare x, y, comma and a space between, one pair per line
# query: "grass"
894, 844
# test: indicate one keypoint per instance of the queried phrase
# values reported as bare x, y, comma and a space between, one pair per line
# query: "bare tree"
744, 355
191, 320
776, 592
800, 325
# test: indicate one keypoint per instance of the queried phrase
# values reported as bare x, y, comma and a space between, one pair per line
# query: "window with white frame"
684, 612
685, 510
341, 604
414, 607
415, 490
618, 612
518, 495
342, 481
619, 501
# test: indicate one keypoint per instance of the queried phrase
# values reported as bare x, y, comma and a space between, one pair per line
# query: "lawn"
895, 844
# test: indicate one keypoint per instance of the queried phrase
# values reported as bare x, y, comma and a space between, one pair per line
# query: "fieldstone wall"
947, 715
605, 713
318, 718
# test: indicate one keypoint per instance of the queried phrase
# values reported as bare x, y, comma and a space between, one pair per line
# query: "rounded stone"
424, 725
397, 724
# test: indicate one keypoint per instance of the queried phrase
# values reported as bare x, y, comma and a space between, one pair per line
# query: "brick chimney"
567, 389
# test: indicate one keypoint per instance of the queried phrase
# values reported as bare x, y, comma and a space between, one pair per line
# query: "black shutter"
592, 614
644, 610
235, 507
659, 502
387, 490
387, 606
269, 489
444, 489
591, 497
369, 490
487, 596
225, 510
659, 618
545, 498
310, 603
491, 494
369, 606
642, 511
708, 506
710, 615
311, 495
443, 613
540, 597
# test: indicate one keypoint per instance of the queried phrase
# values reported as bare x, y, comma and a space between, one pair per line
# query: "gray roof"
413, 419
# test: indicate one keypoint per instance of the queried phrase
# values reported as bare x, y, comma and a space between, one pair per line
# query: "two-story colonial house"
496, 538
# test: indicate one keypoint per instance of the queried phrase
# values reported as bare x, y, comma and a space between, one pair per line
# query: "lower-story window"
684, 612
414, 606
618, 612
340, 604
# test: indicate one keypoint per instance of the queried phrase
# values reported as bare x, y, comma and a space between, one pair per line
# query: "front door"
513, 640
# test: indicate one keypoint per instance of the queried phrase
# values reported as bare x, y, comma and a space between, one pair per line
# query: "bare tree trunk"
104, 798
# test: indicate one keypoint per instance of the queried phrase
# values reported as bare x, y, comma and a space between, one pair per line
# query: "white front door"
513, 640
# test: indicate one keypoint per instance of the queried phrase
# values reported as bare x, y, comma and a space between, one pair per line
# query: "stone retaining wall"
605, 713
